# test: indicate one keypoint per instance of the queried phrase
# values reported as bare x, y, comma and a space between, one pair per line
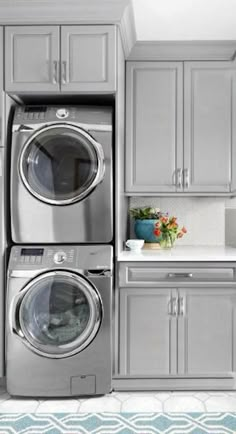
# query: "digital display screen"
32, 252
35, 109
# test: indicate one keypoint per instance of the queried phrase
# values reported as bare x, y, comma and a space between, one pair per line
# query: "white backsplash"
204, 217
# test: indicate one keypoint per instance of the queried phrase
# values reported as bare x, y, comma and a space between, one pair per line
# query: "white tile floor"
125, 402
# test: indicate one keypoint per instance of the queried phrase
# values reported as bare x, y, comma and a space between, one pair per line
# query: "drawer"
134, 273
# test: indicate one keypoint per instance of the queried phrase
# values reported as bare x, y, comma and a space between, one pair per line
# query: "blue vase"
144, 230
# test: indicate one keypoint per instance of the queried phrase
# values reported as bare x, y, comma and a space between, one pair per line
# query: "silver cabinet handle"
64, 72
171, 275
175, 306
186, 178
181, 306
170, 306
55, 72
179, 178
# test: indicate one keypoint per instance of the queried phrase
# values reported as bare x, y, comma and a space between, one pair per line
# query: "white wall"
204, 217
167, 20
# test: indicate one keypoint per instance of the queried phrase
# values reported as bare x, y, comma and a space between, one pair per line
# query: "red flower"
184, 230
157, 232
164, 219
180, 234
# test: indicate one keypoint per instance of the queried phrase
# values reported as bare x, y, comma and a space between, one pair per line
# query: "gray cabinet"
31, 58
206, 331
2, 215
175, 144
177, 321
66, 58
154, 126
88, 58
145, 331
209, 126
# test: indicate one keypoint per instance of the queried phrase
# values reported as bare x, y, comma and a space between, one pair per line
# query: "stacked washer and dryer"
59, 295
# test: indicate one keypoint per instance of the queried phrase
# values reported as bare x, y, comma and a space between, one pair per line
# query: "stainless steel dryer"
61, 175
58, 321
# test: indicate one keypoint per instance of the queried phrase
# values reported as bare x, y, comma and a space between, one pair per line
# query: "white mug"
135, 244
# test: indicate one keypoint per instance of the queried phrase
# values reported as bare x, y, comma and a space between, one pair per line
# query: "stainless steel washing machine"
61, 175
58, 321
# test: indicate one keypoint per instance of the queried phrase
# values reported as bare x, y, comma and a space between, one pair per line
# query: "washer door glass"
61, 164
59, 314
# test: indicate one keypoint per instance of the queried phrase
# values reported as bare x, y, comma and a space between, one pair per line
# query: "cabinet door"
2, 216
32, 58
154, 125
146, 332
88, 55
206, 331
209, 118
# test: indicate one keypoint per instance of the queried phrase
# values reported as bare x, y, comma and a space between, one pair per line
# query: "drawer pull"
171, 275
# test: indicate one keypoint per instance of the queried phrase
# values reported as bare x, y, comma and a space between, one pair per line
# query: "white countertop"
182, 253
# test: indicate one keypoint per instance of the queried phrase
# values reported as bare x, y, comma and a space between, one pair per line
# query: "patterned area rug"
121, 423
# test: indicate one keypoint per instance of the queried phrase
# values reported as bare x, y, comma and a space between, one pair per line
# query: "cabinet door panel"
206, 331
154, 126
88, 58
208, 123
31, 53
2, 216
145, 331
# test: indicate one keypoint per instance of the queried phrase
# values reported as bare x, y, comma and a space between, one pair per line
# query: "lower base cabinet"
177, 331
145, 331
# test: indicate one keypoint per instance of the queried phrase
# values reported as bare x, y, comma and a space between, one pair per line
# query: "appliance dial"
59, 257
62, 113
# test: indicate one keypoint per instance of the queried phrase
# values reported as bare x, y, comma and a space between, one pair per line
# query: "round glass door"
59, 314
61, 164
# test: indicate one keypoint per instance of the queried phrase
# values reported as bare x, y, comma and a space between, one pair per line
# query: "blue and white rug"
119, 423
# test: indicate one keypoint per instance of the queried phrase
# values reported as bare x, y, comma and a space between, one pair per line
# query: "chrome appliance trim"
100, 158
81, 342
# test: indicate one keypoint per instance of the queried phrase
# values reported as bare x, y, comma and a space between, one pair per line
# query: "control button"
26, 260
59, 257
32, 259
62, 113
38, 260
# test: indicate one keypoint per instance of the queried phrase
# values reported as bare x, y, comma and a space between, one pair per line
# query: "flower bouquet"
156, 228
167, 231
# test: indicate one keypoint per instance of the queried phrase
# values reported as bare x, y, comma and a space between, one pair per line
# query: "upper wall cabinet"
154, 126
181, 128
52, 59
31, 58
209, 126
88, 58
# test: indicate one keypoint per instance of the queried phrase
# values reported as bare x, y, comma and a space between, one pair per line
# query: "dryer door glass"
61, 164
59, 314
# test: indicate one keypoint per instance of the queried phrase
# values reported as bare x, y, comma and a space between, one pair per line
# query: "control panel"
95, 261
45, 257
43, 113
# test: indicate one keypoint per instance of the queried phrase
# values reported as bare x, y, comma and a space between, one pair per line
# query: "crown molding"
183, 50
128, 30
61, 11
74, 12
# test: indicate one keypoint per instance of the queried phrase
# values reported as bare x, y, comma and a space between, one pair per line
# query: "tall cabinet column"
2, 213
